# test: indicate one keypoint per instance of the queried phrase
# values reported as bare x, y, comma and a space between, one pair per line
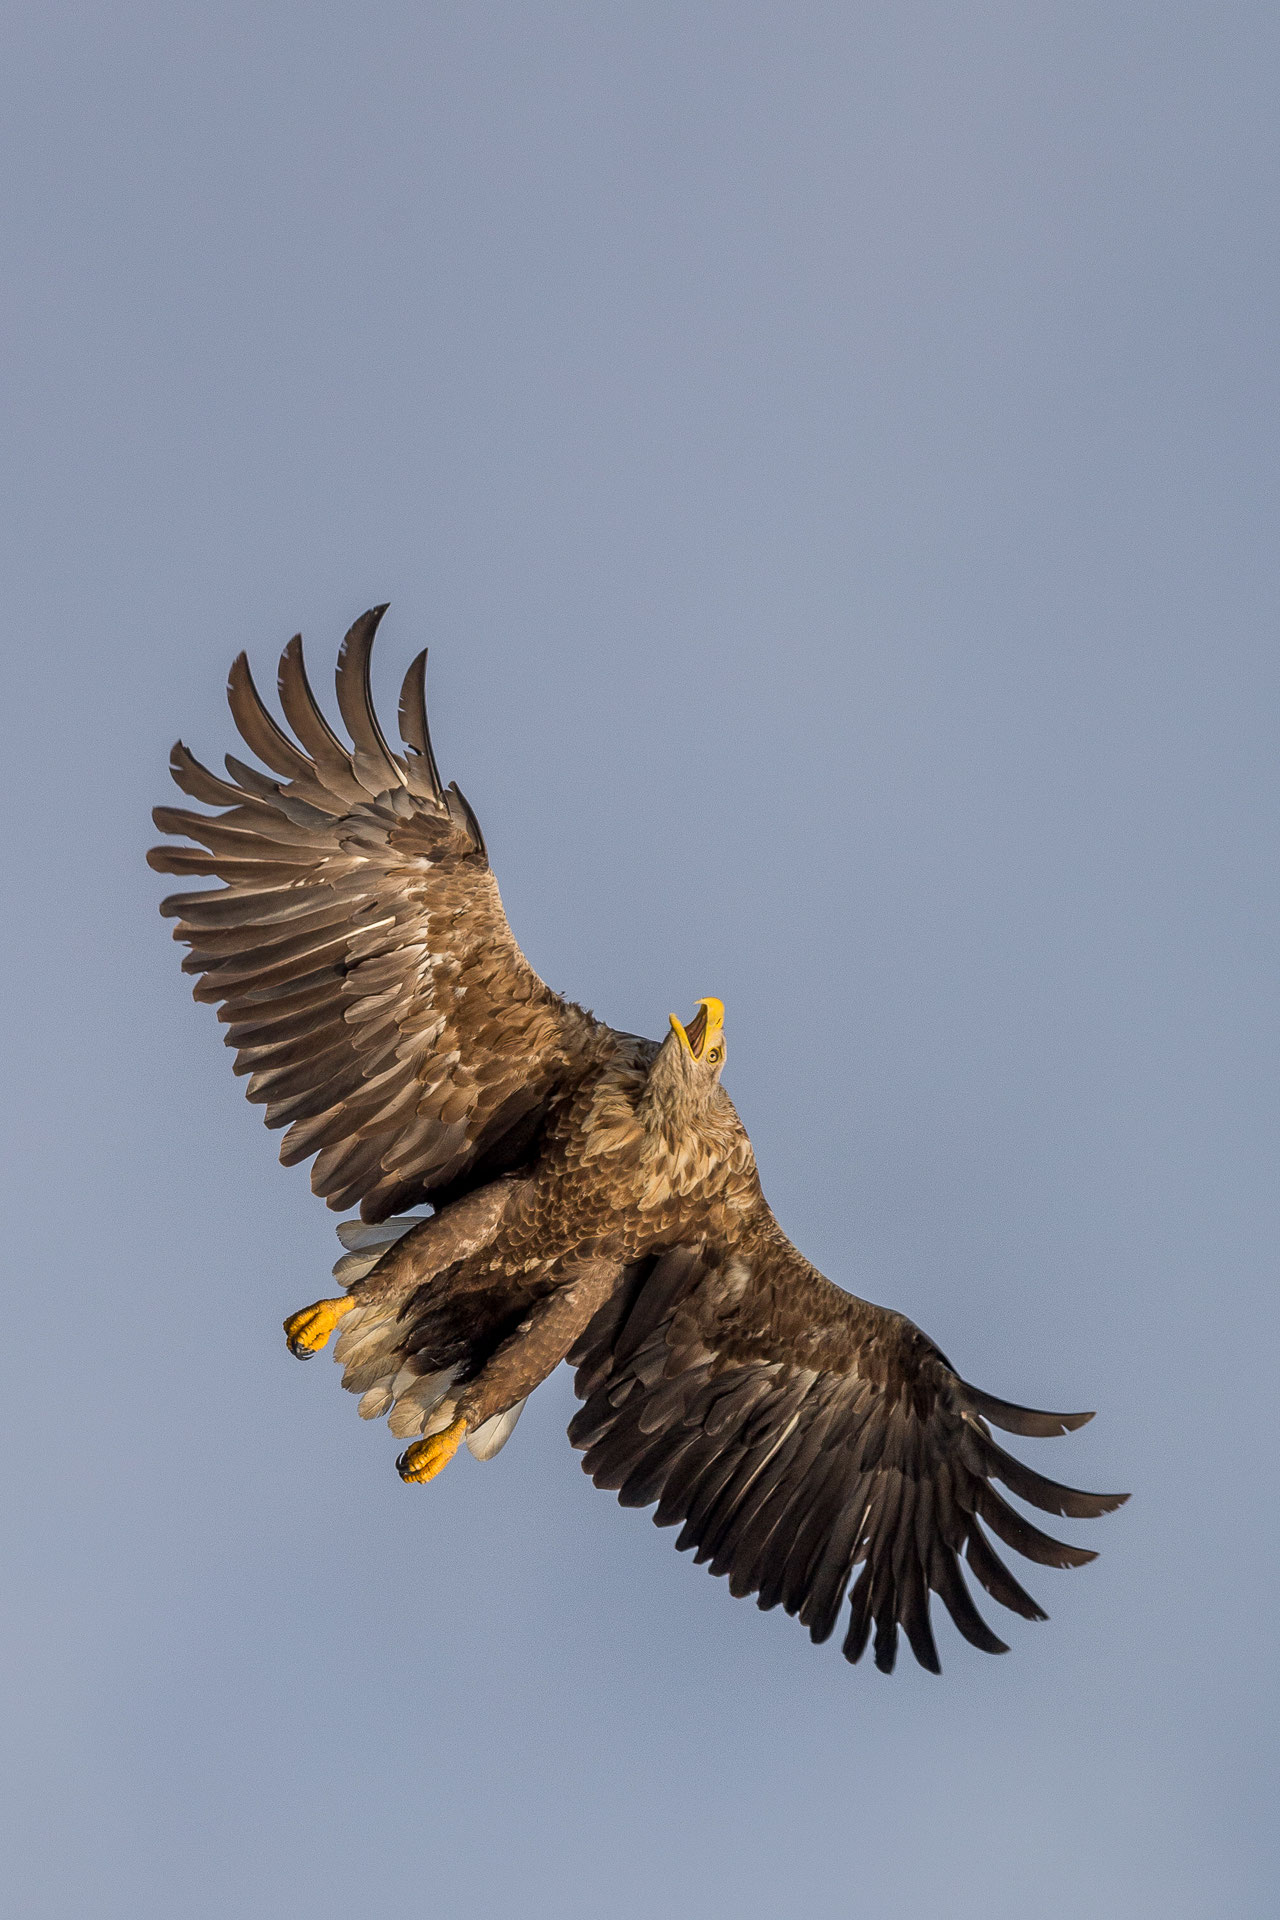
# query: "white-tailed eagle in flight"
592, 1196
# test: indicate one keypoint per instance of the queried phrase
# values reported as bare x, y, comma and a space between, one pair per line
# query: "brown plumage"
593, 1195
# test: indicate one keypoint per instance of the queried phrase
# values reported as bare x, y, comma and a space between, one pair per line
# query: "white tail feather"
491, 1436
417, 1400
441, 1418
366, 1245
355, 1266
356, 1234
361, 1337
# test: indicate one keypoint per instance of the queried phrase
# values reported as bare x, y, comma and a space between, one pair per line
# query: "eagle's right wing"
359, 951
794, 1432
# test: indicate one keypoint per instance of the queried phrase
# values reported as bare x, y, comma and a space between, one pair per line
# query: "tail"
369, 1351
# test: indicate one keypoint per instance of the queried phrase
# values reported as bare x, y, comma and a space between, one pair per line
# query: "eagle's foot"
425, 1458
308, 1330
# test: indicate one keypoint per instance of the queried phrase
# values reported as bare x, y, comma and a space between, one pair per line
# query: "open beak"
694, 1036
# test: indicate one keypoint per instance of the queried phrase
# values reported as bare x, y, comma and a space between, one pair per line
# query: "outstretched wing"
358, 950
793, 1432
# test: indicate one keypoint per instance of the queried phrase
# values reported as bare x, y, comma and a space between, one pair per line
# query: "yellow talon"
425, 1458
308, 1330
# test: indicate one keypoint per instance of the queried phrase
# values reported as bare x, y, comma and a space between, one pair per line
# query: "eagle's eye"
715, 1056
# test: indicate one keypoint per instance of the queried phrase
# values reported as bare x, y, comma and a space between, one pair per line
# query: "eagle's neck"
678, 1096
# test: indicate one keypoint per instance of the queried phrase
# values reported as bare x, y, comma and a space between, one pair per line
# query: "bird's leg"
308, 1330
458, 1230
520, 1364
411, 1261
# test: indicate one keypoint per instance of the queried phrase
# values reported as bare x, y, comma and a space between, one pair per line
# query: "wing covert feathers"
794, 1434
357, 949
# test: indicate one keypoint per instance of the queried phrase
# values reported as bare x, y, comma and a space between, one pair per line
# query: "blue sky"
830, 451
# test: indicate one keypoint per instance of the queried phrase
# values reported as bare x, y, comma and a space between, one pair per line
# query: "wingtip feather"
355, 700
1032, 1423
424, 774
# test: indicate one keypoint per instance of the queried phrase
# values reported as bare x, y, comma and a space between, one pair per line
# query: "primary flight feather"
593, 1196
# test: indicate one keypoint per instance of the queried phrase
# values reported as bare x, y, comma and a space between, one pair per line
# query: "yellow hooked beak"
703, 1038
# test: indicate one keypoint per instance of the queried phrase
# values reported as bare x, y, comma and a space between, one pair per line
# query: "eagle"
534, 1186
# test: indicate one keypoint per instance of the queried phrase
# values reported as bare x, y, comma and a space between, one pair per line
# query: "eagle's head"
702, 1041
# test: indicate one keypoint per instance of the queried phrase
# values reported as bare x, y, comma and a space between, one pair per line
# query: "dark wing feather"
794, 1432
358, 950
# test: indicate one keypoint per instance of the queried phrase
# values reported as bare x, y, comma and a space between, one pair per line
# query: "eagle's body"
637, 1156
594, 1195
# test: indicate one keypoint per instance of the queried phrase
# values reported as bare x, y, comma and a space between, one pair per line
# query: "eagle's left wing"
794, 1431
